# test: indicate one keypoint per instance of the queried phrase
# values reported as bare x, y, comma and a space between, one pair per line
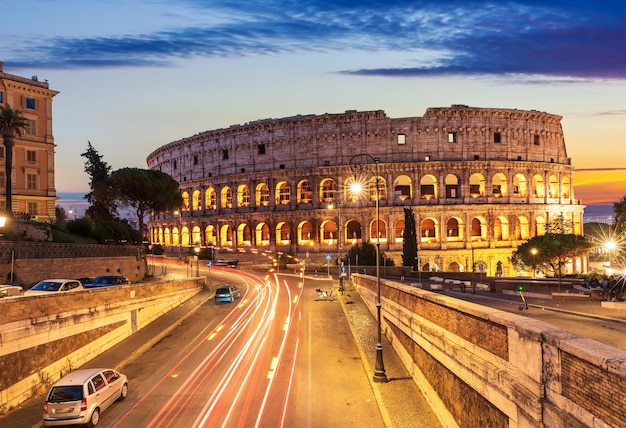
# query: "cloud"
561, 41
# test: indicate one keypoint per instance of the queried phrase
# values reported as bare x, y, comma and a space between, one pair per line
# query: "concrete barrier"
483, 367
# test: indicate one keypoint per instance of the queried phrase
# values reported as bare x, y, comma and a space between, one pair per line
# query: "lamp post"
379, 370
197, 250
533, 251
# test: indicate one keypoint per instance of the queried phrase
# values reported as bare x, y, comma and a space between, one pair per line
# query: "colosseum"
480, 181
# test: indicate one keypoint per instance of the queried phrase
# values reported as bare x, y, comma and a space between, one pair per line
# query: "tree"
12, 123
102, 204
553, 251
145, 190
620, 216
409, 237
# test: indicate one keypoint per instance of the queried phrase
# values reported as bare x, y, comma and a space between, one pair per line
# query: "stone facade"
480, 181
33, 185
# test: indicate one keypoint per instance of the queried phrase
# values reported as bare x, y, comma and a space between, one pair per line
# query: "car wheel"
124, 391
94, 419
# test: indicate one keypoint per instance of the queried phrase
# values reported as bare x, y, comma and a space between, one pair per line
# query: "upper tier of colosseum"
304, 141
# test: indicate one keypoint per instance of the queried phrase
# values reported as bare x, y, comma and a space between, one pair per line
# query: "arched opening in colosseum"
175, 236
283, 234
402, 188
501, 229
565, 187
428, 231
353, 232
452, 186
226, 197
553, 187
428, 187
305, 233
159, 235
243, 195
522, 228
520, 186
196, 204
210, 235
262, 195
329, 232
167, 236
262, 231
540, 225
226, 236
185, 205
454, 229
455, 267
378, 231
210, 198
328, 191
537, 184
185, 237
244, 235
399, 231
477, 185
382, 189
305, 192
195, 235
283, 196
478, 229
498, 183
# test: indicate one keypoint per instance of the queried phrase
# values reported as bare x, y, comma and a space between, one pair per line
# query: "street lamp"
379, 370
197, 250
533, 251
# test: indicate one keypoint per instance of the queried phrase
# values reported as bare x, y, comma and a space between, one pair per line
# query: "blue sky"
134, 75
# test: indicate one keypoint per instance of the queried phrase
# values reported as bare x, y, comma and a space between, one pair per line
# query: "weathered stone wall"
44, 337
483, 367
29, 271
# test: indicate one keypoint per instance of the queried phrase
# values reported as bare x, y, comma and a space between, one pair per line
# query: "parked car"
50, 286
86, 280
107, 281
10, 290
227, 293
81, 396
229, 263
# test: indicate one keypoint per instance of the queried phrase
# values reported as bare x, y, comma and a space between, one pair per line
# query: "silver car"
79, 397
51, 286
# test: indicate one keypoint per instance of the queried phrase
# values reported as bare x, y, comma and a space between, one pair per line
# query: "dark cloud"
571, 39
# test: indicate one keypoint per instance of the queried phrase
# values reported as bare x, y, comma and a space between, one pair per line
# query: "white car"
51, 286
79, 397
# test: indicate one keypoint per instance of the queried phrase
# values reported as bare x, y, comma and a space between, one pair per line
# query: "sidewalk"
401, 402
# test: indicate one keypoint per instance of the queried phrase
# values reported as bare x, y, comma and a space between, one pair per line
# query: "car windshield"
104, 280
223, 290
47, 286
60, 394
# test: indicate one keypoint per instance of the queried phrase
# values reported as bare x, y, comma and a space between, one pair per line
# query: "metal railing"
39, 250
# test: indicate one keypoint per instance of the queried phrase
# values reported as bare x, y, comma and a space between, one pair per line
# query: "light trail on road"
231, 373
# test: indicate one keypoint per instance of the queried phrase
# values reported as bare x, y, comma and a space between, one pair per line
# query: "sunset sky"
135, 75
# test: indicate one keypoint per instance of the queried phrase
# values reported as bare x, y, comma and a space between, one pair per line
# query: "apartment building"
33, 184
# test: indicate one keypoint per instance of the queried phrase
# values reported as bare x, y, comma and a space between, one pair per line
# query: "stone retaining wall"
44, 337
484, 367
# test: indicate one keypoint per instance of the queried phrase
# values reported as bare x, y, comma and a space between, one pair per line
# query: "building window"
497, 137
1, 97
401, 139
31, 181
1, 152
261, 149
451, 137
536, 141
31, 207
31, 156
31, 127
30, 103
175, 164
195, 159
225, 154
3, 180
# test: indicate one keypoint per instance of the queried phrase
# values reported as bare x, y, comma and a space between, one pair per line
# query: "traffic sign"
344, 271
209, 263
328, 256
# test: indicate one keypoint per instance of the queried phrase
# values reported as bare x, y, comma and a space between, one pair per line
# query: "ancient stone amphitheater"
480, 181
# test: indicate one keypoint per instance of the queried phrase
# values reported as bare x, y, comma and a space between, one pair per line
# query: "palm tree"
12, 123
